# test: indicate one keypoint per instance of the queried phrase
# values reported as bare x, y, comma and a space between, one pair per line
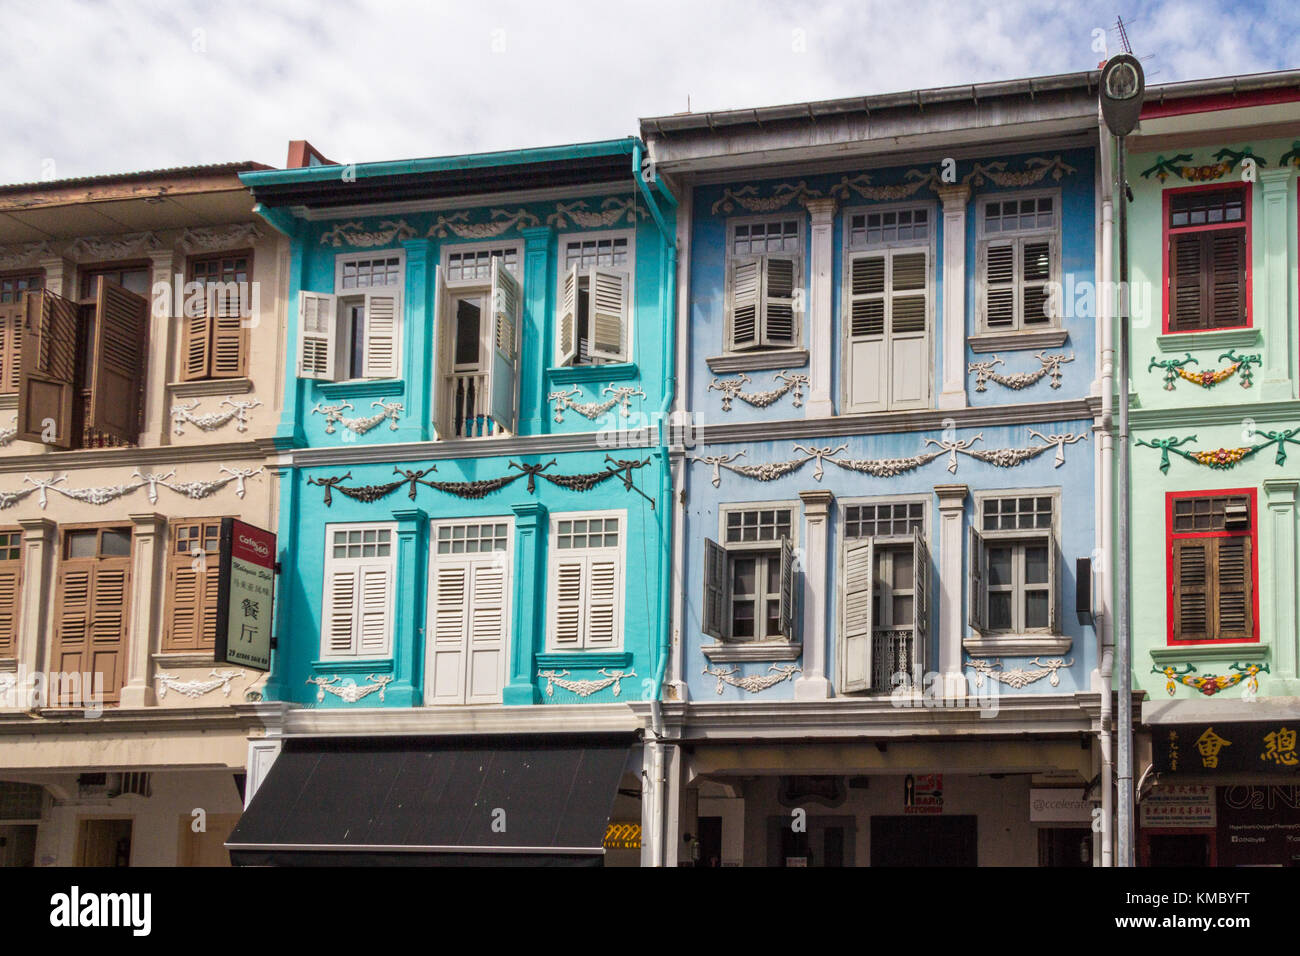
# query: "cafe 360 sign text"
245, 595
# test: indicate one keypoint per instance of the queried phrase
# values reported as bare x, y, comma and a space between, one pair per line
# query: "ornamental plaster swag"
347, 689
891, 467
731, 389
1222, 459
209, 421
753, 683
1209, 378
102, 495
391, 411
1226, 161
584, 688
620, 395
1018, 677
1211, 684
1051, 365
195, 689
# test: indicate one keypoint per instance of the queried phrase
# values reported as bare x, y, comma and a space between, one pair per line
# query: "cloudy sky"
102, 86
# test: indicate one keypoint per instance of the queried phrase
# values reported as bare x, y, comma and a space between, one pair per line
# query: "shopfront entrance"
924, 841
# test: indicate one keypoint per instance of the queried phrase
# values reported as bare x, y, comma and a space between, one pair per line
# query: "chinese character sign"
246, 593
1258, 746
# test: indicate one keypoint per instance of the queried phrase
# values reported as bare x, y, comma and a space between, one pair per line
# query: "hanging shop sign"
245, 595
923, 793
1263, 747
1179, 805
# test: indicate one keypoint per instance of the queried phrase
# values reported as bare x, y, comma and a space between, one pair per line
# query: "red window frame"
1171, 536
1166, 232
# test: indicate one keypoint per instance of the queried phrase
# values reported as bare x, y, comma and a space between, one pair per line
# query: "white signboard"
1180, 805
1059, 805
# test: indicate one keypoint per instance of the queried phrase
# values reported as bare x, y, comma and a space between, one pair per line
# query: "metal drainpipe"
668, 283
1105, 646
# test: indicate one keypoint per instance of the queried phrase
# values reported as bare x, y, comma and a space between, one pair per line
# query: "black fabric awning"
446, 801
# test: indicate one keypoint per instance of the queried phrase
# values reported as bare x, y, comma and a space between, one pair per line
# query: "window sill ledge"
367, 388
1015, 341
186, 659
1209, 339
737, 652
350, 666
758, 361
616, 372
553, 659
1210, 652
1016, 645
208, 387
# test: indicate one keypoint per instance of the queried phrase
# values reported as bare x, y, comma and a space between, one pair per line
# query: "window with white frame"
354, 332
469, 611
360, 572
587, 558
764, 275
884, 636
1019, 261
596, 272
479, 300
1015, 564
887, 306
749, 578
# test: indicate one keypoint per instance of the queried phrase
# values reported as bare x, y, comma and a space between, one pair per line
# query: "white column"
1278, 598
952, 503
149, 546
261, 754
954, 199
1273, 286
39, 537
813, 685
820, 337
161, 347
60, 276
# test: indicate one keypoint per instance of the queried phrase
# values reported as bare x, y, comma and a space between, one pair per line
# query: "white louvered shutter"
383, 325
787, 602
607, 316
909, 312
444, 320
317, 334
867, 369
999, 273
449, 631
975, 595
504, 309
375, 610
855, 644
779, 317
746, 276
340, 613
920, 606
602, 617
566, 597
488, 627
713, 615
568, 330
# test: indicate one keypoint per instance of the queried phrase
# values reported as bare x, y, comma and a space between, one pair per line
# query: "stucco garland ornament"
503, 220
1051, 365
10, 498
615, 209
390, 411
1018, 677
1036, 168
211, 421
1291, 156
731, 389
1211, 684
1174, 370
916, 180
194, 689
1226, 161
349, 691
207, 238
114, 247
11, 257
357, 236
619, 395
753, 683
1010, 457
1222, 459
7, 435
747, 197
584, 688
952, 446
885, 467
198, 490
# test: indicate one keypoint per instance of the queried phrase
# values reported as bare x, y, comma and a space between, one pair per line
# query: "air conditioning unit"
1236, 516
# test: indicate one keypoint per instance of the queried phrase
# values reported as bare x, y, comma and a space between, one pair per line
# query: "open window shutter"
1187, 297
1036, 273
746, 278
504, 332
1192, 559
317, 331
787, 608
118, 361
568, 330
712, 615
229, 338
975, 591
855, 646
779, 316
11, 576
340, 612
608, 315
602, 601
12, 317
999, 273
383, 320
196, 354
444, 321
1227, 279
1234, 607
47, 383
921, 605
1054, 586
566, 601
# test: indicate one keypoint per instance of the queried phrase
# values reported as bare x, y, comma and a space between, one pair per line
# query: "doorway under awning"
435, 801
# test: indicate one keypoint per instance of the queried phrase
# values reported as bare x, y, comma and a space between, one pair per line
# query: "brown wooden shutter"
117, 361
108, 623
1192, 586
47, 381
12, 316
191, 592
1226, 279
229, 345
1187, 257
196, 347
1233, 602
11, 579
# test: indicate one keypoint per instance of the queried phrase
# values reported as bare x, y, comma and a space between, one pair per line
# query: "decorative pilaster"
166, 340
954, 199
820, 326
533, 338
420, 336
148, 548
60, 276
1273, 286
813, 685
405, 690
39, 542
1278, 600
952, 504
528, 628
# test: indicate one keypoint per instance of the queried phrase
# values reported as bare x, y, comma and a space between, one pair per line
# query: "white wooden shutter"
787, 588
1054, 585
713, 615
568, 331
909, 311
488, 626
867, 368
317, 334
607, 315
920, 606
975, 596
1037, 270
569, 582
780, 274
448, 630
504, 332
339, 616
444, 320
746, 279
375, 610
855, 640
383, 326
602, 617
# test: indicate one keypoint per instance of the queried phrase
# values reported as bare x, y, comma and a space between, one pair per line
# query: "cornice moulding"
210, 387
1201, 341
1202, 416
257, 449
1210, 652
464, 202
473, 448
1017, 341
475, 719
752, 651
758, 361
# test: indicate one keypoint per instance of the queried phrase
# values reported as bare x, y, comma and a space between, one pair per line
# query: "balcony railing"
892, 659
469, 400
